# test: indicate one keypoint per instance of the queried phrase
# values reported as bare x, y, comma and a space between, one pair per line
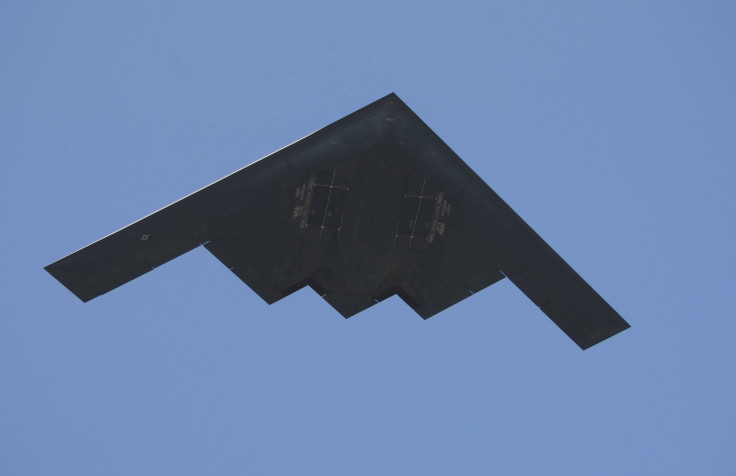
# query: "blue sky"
608, 126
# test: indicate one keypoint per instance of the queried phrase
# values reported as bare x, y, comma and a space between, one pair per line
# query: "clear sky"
609, 126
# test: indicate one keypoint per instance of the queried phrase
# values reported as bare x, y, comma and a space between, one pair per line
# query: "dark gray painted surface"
372, 205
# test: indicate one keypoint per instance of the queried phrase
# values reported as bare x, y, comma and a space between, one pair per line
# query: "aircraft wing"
371, 206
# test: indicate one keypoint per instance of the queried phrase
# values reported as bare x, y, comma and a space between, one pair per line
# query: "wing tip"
599, 335
57, 272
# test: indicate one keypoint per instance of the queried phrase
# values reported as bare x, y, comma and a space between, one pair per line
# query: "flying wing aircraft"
371, 206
